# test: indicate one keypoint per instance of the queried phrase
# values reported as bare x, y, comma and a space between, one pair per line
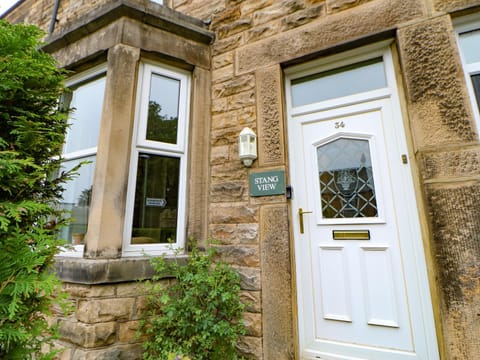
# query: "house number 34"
339, 124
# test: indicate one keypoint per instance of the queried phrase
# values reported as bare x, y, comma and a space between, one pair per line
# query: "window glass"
348, 80
162, 120
476, 87
84, 122
76, 198
469, 45
156, 199
80, 146
346, 179
157, 183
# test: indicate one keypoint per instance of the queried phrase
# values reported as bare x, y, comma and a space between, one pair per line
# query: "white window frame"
462, 25
141, 145
79, 79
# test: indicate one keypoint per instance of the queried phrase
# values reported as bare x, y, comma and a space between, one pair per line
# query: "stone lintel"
178, 50
151, 14
372, 18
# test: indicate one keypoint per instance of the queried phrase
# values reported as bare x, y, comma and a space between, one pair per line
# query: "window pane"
87, 103
346, 179
348, 80
476, 88
76, 198
156, 199
469, 45
163, 109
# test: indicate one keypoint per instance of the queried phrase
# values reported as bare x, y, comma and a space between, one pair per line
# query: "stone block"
454, 5
234, 234
219, 154
229, 191
271, 147
89, 291
248, 7
252, 300
454, 210
87, 336
233, 85
253, 324
121, 352
250, 347
339, 5
227, 44
130, 289
250, 278
97, 311
234, 27
439, 105
222, 60
302, 17
371, 18
231, 213
222, 74
263, 31
278, 332
450, 163
127, 332
241, 100
247, 256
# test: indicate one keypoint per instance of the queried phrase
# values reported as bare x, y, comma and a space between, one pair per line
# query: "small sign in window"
156, 202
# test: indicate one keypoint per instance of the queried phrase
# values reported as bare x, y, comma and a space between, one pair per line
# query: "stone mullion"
107, 214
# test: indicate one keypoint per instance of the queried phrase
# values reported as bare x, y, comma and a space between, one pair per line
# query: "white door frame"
412, 250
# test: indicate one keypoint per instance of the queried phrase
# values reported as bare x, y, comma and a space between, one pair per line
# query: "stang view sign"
267, 183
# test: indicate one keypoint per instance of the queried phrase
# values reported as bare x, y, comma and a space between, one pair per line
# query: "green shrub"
32, 130
199, 315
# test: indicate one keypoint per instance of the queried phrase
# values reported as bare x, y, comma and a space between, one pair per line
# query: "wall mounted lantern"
247, 146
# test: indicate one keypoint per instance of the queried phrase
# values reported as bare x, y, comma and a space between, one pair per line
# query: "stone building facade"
393, 273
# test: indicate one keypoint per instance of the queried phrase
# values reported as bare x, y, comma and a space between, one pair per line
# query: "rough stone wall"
253, 37
103, 323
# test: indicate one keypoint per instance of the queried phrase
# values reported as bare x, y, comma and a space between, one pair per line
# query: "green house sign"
267, 183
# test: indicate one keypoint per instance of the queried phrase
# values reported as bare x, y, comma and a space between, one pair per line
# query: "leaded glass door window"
345, 177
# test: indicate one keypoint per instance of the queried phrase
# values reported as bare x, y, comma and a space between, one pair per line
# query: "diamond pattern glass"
346, 179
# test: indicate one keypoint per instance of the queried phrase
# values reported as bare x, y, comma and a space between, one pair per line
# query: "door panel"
358, 295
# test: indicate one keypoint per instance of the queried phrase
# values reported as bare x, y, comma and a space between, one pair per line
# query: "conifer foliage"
32, 130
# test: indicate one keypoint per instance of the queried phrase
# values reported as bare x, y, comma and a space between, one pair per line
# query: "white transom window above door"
156, 196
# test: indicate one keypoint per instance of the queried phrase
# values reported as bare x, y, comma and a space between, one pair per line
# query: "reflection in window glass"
81, 146
346, 179
87, 103
344, 81
163, 109
156, 199
469, 45
76, 198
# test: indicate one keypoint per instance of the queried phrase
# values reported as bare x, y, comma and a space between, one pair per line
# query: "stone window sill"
105, 271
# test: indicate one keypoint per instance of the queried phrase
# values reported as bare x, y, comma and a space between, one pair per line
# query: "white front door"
361, 275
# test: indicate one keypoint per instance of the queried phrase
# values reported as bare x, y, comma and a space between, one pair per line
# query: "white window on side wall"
468, 37
156, 200
86, 101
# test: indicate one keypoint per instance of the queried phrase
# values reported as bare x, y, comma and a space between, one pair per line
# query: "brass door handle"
300, 217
